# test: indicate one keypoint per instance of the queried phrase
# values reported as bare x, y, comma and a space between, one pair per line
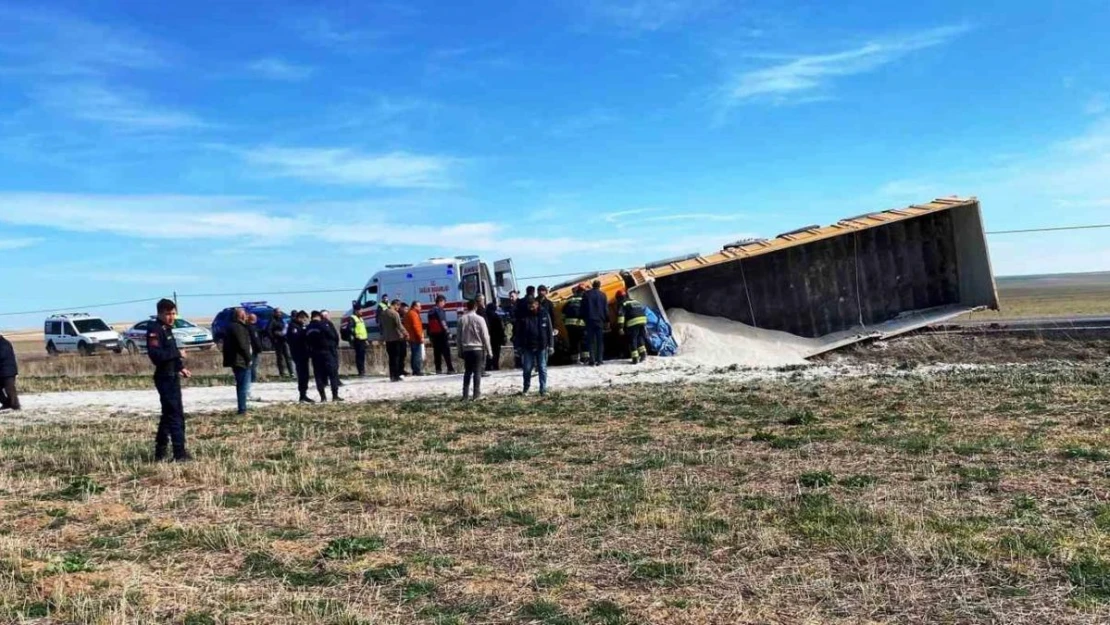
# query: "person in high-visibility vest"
359, 340
575, 325
632, 322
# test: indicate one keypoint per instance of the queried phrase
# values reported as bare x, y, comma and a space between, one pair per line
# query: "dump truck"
871, 276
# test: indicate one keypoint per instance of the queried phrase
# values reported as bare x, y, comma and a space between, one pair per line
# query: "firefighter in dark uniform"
575, 325
632, 322
169, 368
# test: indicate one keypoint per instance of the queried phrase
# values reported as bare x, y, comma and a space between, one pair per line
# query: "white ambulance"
459, 278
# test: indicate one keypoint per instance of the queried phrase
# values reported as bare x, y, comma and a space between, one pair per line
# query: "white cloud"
18, 244
278, 69
619, 216
648, 15
799, 76
347, 167
122, 109
44, 41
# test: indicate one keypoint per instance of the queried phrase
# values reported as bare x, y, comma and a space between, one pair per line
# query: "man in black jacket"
169, 367
9, 369
532, 338
495, 323
595, 312
276, 333
298, 347
323, 341
237, 356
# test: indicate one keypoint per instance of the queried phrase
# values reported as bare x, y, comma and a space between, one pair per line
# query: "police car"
188, 335
79, 332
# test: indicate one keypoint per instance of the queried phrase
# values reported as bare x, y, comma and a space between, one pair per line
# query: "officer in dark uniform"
298, 347
169, 367
632, 322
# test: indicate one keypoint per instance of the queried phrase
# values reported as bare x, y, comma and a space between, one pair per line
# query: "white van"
459, 279
81, 333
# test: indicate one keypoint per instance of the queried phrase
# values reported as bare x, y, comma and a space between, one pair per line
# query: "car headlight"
93, 339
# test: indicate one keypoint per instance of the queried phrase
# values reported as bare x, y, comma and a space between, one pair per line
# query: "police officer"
632, 322
575, 325
323, 341
359, 338
298, 347
169, 367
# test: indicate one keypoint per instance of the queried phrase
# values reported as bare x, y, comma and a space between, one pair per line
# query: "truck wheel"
84, 349
51, 349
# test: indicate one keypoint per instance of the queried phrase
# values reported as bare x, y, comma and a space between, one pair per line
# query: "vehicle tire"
118, 350
132, 348
84, 349
51, 349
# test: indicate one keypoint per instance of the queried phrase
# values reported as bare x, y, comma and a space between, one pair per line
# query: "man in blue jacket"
169, 368
595, 312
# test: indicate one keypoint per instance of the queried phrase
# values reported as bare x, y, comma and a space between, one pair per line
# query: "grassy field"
1051, 296
959, 498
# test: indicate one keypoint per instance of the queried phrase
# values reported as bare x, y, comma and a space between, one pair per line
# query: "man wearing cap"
359, 339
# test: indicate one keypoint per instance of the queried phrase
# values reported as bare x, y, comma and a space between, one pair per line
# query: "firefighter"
575, 325
169, 368
632, 322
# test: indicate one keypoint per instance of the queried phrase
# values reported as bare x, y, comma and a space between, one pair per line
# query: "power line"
350, 289
1088, 227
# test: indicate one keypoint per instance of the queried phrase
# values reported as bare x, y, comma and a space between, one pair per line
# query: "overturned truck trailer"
866, 277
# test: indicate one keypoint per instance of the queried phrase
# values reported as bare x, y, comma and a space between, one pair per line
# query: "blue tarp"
660, 341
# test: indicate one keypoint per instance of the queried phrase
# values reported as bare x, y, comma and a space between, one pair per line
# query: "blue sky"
215, 147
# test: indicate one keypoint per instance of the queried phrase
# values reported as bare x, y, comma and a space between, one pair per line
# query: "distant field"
961, 497
1051, 296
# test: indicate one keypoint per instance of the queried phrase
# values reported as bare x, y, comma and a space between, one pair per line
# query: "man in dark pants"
395, 337
237, 357
169, 368
359, 339
323, 344
439, 333
298, 348
495, 323
595, 312
534, 341
256, 345
9, 369
632, 322
575, 325
276, 332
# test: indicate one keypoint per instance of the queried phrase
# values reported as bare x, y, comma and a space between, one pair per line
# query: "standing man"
359, 338
237, 356
495, 323
9, 369
394, 335
632, 322
256, 345
169, 368
415, 329
475, 347
403, 311
595, 313
575, 325
437, 330
295, 337
276, 333
328, 372
546, 305
533, 340
510, 321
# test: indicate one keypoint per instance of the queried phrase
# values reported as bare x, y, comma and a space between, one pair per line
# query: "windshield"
181, 323
369, 297
90, 325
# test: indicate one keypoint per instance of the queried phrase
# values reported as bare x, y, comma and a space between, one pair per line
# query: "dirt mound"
720, 342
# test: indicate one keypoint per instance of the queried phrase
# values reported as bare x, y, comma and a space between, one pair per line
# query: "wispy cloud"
278, 69
43, 41
18, 244
648, 15
123, 109
140, 277
340, 166
619, 216
800, 76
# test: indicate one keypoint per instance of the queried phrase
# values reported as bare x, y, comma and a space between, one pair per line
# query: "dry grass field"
1051, 296
960, 497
